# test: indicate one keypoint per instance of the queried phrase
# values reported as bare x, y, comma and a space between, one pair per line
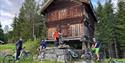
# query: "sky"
10, 8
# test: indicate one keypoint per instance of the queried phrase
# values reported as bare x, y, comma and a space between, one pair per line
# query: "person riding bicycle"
96, 47
43, 44
18, 48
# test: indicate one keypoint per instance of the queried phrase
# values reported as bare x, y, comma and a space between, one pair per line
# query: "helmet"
94, 40
20, 39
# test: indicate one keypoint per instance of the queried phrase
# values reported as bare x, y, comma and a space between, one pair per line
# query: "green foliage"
2, 36
110, 28
32, 45
29, 24
29, 45
120, 25
9, 47
104, 26
120, 21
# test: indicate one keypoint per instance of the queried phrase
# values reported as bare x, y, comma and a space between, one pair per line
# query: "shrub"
32, 46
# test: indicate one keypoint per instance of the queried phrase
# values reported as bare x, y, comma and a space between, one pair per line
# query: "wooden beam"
82, 1
67, 39
46, 5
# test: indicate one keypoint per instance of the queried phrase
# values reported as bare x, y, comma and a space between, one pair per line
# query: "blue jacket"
43, 44
19, 45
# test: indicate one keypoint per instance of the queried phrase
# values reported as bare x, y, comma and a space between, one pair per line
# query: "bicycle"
24, 56
68, 54
41, 54
89, 55
71, 55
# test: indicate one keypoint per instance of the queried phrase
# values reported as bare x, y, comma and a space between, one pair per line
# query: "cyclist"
96, 47
18, 48
43, 44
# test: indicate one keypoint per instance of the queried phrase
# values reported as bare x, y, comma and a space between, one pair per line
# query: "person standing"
18, 48
56, 38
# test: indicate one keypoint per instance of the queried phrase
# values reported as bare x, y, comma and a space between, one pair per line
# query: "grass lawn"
1, 58
119, 60
7, 47
29, 45
34, 61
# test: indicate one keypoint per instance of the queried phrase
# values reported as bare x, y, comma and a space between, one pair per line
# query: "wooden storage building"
74, 18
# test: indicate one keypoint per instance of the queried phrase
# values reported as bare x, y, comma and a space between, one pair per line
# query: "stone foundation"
55, 54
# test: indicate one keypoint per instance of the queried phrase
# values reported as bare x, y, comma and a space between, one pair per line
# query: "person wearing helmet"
96, 47
43, 44
18, 48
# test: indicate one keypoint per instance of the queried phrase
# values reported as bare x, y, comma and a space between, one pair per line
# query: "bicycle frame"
21, 52
12, 58
72, 53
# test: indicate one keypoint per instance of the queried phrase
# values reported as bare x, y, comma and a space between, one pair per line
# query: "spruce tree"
29, 24
120, 27
104, 27
1, 33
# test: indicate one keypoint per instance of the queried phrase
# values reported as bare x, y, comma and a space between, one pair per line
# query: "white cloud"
6, 22
8, 2
114, 2
4, 13
8, 9
6, 18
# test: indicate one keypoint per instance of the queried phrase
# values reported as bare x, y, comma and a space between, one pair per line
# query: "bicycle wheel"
26, 57
111, 60
68, 57
102, 58
55, 58
9, 59
94, 57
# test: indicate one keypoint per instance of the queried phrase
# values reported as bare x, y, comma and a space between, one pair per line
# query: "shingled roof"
44, 7
50, 1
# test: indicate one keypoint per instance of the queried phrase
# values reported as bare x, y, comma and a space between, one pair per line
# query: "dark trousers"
56, 44
18, 54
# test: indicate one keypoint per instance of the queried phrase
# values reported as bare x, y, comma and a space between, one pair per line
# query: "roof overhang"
88, 2
44, 7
